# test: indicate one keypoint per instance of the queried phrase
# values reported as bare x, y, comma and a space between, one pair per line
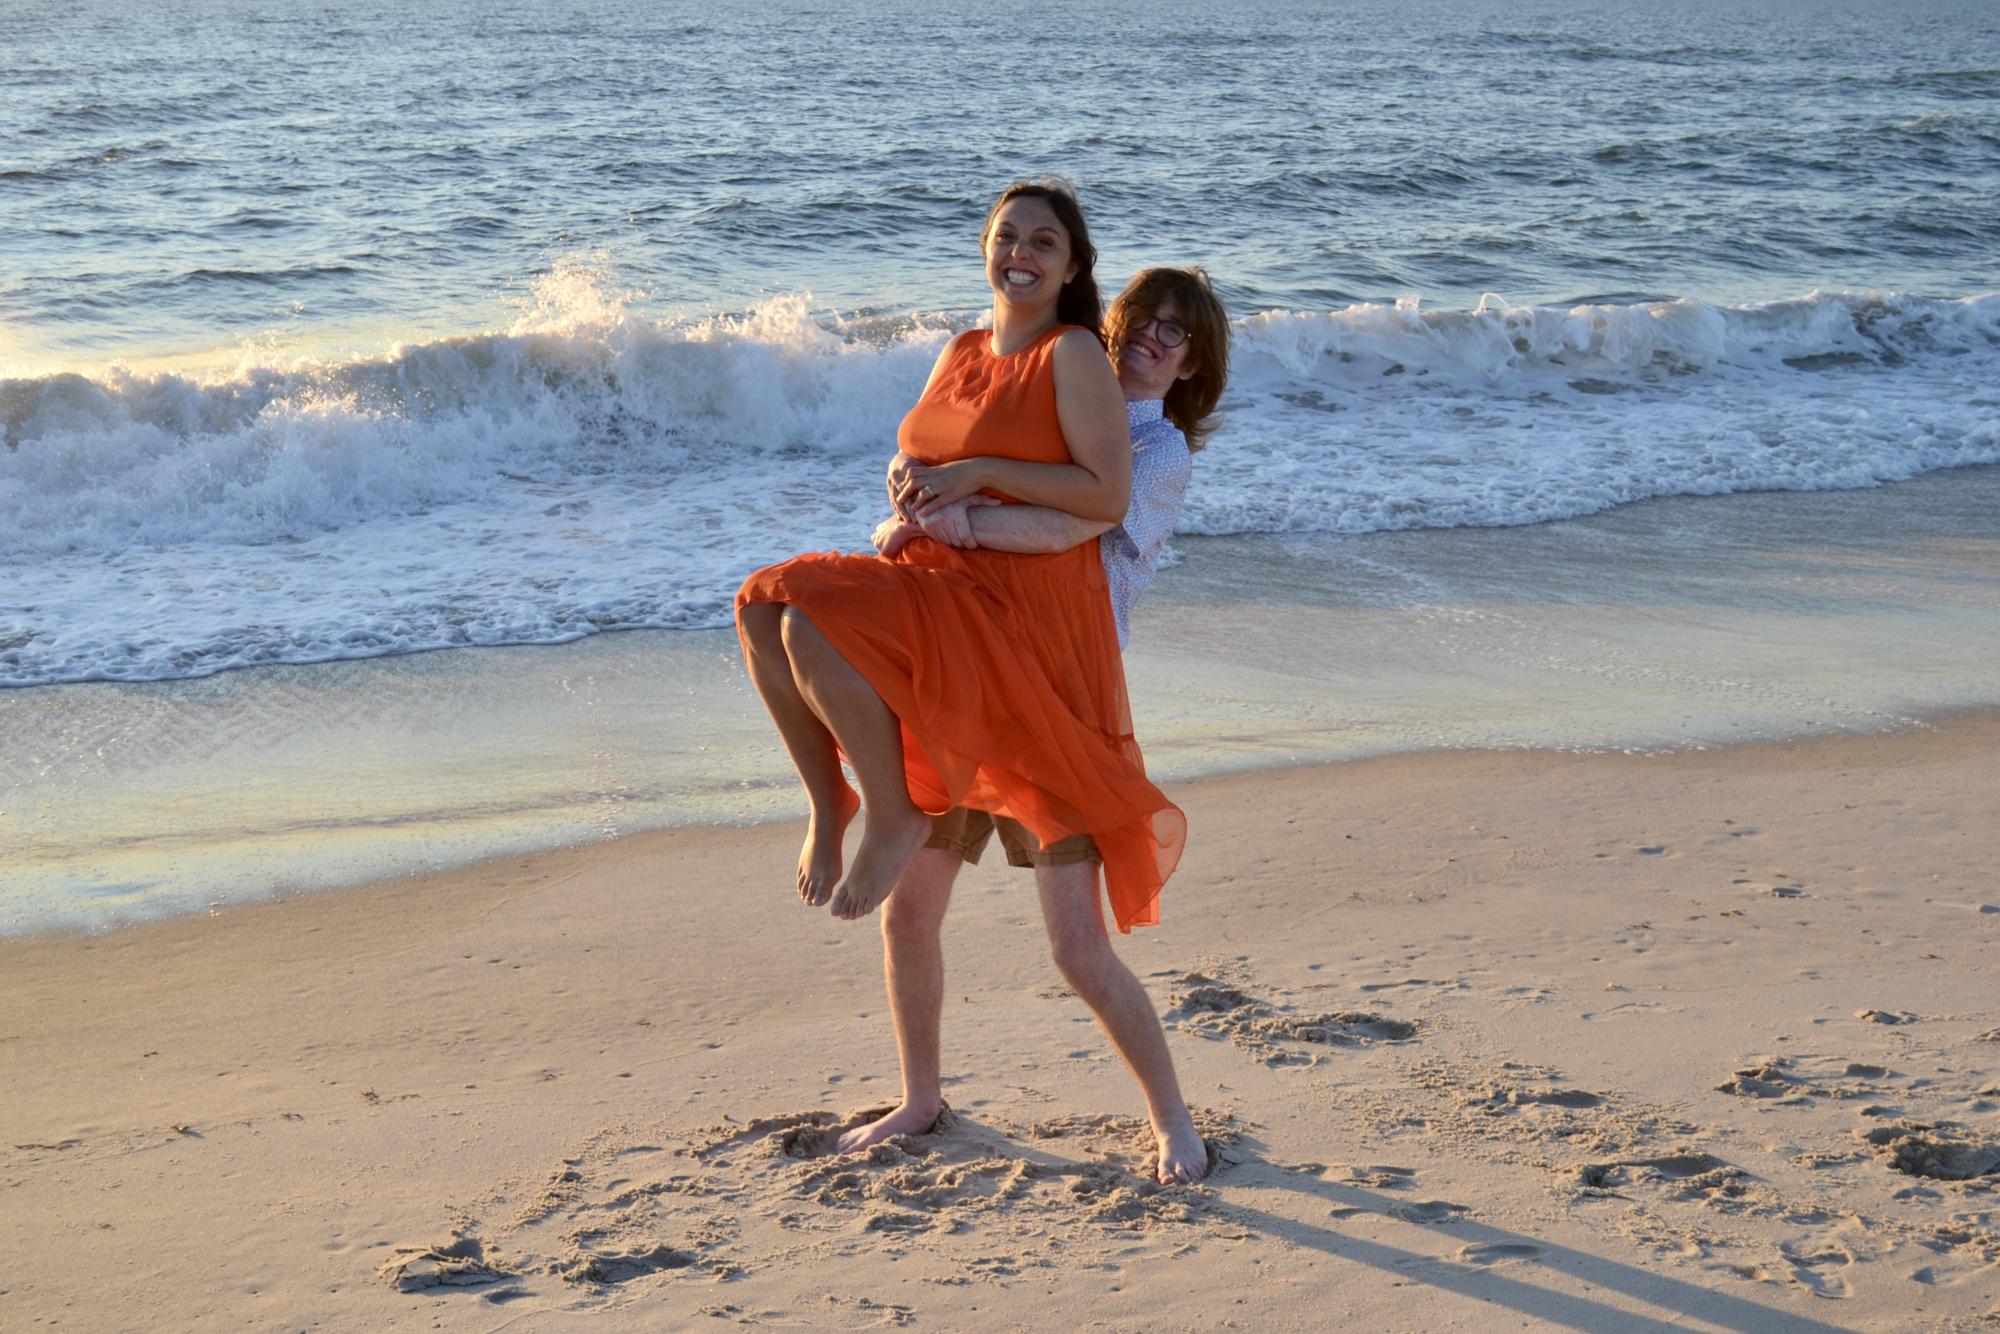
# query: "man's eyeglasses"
1165, 332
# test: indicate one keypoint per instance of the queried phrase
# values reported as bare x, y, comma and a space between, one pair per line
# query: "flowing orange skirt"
1005, 673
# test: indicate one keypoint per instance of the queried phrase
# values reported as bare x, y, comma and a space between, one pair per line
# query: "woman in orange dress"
984, 679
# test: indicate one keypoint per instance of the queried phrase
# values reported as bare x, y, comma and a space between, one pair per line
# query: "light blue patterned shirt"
1161, 467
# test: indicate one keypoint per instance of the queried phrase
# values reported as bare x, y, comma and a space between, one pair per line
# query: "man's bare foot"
908, 1119
887, 844
1183, 1154
819, 858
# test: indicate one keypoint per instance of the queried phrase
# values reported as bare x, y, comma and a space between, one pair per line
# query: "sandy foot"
1183, 1155
907, 1119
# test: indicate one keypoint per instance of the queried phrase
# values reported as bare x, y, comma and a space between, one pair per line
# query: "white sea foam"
590, 468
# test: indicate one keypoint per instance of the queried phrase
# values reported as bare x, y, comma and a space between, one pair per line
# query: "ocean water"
336, 332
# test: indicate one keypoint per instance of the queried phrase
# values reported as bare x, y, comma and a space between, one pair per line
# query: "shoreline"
498, 864
1601, 1037
1665, 624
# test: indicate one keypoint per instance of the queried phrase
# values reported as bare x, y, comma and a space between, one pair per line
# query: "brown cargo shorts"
965, 833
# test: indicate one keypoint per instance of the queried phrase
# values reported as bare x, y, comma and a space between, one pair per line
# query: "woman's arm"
1091, 410
899, 483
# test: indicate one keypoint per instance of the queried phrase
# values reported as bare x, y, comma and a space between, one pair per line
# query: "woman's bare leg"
873, 742
810, 744
1073, 912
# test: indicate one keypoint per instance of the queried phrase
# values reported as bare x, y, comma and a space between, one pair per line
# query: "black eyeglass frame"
1181, 333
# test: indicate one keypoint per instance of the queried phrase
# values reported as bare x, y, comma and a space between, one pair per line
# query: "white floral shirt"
1161, 467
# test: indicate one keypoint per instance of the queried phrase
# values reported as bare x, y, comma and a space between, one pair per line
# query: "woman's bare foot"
1183, 1153
887, 844
819, 858
908, 1119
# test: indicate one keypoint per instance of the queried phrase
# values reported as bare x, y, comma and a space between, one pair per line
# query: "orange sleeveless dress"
1003, 668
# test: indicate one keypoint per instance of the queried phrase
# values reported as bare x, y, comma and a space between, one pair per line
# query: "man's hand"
952, 524
892, 535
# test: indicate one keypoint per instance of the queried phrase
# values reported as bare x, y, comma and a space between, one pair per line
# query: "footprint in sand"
584, 1265
1626, 1010
1377, 1177
1692, 1175
1205, 1004
1941, 1152
873, 1314
1780, 888
458, 1263
1771, 1077
1495, 1252
1819, 1270
1500, 1095
1891, 1017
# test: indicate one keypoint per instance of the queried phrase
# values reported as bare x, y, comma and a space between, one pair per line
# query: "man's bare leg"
913, 967
872, 739
810, 745
1073, 912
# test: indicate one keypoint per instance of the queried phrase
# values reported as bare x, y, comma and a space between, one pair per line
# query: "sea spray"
592, 467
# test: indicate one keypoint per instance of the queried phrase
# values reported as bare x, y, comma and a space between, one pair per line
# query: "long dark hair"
1078, 302
1191, 402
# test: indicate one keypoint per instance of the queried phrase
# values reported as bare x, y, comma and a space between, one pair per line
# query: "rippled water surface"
174, 176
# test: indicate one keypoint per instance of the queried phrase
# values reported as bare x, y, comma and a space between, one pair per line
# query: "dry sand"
1702, 1040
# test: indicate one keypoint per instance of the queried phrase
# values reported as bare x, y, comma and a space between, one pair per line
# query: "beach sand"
1695, 1040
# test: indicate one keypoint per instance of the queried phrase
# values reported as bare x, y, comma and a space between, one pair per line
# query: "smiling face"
1147, 368
1028, 253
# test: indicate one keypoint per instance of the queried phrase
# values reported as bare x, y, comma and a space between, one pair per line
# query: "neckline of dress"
1032, 343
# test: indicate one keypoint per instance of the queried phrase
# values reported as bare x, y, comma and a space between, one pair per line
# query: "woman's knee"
802, 638
762, 624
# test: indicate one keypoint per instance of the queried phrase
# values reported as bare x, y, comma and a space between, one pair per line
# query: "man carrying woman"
974, 668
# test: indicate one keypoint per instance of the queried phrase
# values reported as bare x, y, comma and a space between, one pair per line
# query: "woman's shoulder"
1076, 348
969, 343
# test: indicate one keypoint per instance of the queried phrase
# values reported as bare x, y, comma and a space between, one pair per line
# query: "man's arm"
1031, 529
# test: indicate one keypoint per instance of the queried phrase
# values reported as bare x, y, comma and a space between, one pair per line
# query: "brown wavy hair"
1078, 302
1191, 402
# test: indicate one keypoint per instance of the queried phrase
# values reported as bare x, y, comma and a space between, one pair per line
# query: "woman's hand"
899, 481
929, 489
